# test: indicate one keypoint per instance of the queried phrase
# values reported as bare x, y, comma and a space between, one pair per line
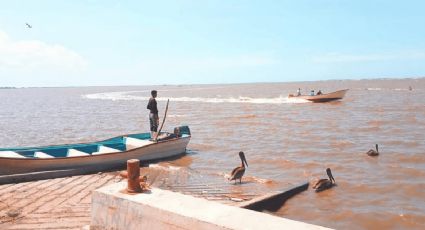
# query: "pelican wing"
322, 185
234, 171
372, 153
237, 173
319, 182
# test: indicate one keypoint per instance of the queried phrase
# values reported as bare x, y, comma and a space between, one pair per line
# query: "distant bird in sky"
28, 25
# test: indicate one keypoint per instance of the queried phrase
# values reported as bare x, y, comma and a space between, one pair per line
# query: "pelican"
372, 152
238, 172
324, 184
28, 25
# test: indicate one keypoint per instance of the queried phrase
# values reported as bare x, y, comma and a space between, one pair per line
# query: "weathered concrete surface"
112, 208
44, 175
62, 203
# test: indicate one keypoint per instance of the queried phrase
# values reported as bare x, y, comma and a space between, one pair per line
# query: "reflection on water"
286, 142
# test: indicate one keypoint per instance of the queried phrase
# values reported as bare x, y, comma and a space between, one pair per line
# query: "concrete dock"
65, 203
114, 208
62, 203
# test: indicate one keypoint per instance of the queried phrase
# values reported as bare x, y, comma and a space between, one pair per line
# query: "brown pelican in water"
372, 152
238, 172
324, 184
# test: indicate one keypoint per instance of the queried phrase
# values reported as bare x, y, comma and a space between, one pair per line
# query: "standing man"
153, 115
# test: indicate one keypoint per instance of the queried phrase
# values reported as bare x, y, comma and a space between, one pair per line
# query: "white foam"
166, 167
117, 96
176, 115
384, 89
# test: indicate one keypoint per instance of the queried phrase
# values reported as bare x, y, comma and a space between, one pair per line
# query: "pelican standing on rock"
372, 152
238, 172
324, 184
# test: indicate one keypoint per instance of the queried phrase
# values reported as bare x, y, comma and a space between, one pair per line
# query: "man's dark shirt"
152, 106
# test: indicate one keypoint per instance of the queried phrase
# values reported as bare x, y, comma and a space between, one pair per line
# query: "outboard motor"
179, 131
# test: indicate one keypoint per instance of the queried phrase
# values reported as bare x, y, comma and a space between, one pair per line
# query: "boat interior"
113, 145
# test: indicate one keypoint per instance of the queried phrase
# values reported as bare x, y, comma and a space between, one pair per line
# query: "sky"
106, 42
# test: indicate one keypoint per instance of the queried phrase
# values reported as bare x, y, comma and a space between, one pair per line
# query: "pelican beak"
331, 177
244, 159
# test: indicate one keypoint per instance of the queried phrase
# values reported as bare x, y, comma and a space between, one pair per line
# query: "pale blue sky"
75, 43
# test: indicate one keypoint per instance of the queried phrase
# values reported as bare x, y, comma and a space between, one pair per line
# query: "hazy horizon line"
232, 83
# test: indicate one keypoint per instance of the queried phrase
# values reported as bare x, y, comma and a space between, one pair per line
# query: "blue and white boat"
94, 156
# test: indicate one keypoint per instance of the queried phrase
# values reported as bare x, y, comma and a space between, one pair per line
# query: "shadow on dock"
273, 201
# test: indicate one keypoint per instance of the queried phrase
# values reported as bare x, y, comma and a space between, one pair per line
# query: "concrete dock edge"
161, 209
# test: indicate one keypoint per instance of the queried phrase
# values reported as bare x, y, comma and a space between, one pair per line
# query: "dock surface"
62, 203
65, 203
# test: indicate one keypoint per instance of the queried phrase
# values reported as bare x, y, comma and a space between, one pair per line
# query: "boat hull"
154, 151
337, 95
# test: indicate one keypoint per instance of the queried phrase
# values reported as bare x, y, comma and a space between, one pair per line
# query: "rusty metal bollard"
133, 174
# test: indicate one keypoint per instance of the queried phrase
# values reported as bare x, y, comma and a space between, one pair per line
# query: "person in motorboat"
312, 93
319, 92
153, 115
298, 92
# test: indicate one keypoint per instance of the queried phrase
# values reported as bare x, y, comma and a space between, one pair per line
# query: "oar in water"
163, 120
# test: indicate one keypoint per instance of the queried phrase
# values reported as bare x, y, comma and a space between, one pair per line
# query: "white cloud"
37, 55
338, 57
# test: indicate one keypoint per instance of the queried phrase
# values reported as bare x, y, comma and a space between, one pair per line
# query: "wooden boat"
101, 155
337, 95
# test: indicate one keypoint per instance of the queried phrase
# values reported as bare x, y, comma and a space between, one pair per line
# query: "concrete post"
133, 174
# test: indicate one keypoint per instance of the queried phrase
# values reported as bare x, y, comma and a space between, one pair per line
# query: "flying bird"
28, 25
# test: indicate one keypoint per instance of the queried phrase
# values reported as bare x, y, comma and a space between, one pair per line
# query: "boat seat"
132, 143
10, 154
103, 149
76, 153
42, 155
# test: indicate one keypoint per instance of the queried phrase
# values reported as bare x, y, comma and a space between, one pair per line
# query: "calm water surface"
286, 142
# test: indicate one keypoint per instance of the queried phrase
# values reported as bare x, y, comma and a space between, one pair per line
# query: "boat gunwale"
90, 155
324, 95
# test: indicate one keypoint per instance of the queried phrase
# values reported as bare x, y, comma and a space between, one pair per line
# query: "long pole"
163, 120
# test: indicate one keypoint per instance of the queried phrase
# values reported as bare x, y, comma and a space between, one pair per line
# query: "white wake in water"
127, 95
